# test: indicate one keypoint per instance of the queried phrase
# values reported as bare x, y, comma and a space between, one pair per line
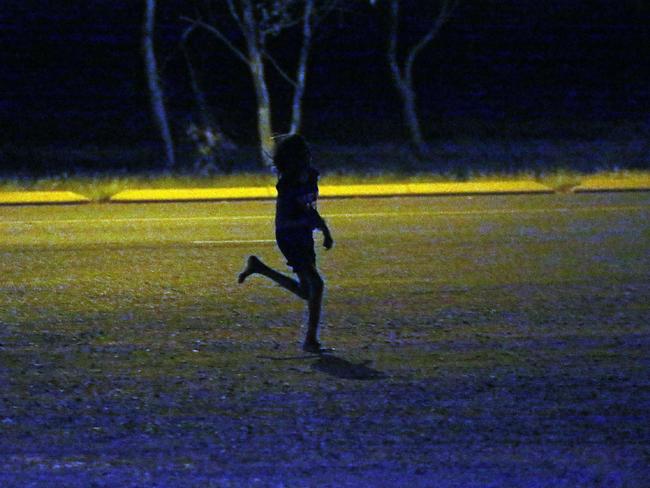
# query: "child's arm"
310, 215
312, 219
319, 223
328, 242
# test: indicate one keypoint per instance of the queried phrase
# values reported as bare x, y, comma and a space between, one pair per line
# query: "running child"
296, 217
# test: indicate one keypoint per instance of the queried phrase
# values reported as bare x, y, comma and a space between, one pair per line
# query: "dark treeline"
73, 73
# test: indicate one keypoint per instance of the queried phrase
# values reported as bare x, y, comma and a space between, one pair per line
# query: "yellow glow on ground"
249, 193
625, 183
194, 194
40, 197
452, 188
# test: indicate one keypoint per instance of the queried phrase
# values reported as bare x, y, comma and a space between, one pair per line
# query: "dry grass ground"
486, 341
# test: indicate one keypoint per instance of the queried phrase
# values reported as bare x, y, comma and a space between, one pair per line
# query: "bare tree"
205, 117
301, 70
156, 95
401, 67
257, 22
213, 147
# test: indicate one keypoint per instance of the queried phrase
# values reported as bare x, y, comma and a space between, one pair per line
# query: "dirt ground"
480, 342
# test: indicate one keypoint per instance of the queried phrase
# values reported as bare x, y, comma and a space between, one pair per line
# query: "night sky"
72, 73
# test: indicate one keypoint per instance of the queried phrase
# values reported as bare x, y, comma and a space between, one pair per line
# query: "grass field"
481, 342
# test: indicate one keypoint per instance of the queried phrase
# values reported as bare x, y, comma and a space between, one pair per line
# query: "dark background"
71, 74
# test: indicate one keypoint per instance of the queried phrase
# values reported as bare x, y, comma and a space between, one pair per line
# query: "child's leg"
314, 284
255, 265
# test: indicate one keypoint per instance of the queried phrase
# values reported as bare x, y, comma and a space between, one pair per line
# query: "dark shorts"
297, 246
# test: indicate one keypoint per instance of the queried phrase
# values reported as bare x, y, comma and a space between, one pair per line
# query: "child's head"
292, 154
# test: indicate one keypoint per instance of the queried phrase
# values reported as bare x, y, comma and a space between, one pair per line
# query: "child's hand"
328, 242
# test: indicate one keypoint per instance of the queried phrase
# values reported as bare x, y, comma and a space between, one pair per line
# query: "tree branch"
279, 69
443, 16
324, 11
250, 26
392, 40
280, 25
187, 32
235, 15
212, 29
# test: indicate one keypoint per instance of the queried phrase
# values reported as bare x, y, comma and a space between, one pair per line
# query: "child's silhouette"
296, 218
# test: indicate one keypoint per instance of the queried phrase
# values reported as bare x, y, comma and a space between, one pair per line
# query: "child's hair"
292, 154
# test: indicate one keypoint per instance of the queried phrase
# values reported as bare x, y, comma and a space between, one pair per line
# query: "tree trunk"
411, 117
407, 94
255, 44
199, 97
155, 90
264, 125
403, 80
301, 71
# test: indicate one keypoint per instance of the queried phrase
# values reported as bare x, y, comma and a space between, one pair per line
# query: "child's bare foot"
251, 267
315, 347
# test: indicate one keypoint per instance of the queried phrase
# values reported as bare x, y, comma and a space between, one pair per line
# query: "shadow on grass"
336, 366
342, 368
288, 358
